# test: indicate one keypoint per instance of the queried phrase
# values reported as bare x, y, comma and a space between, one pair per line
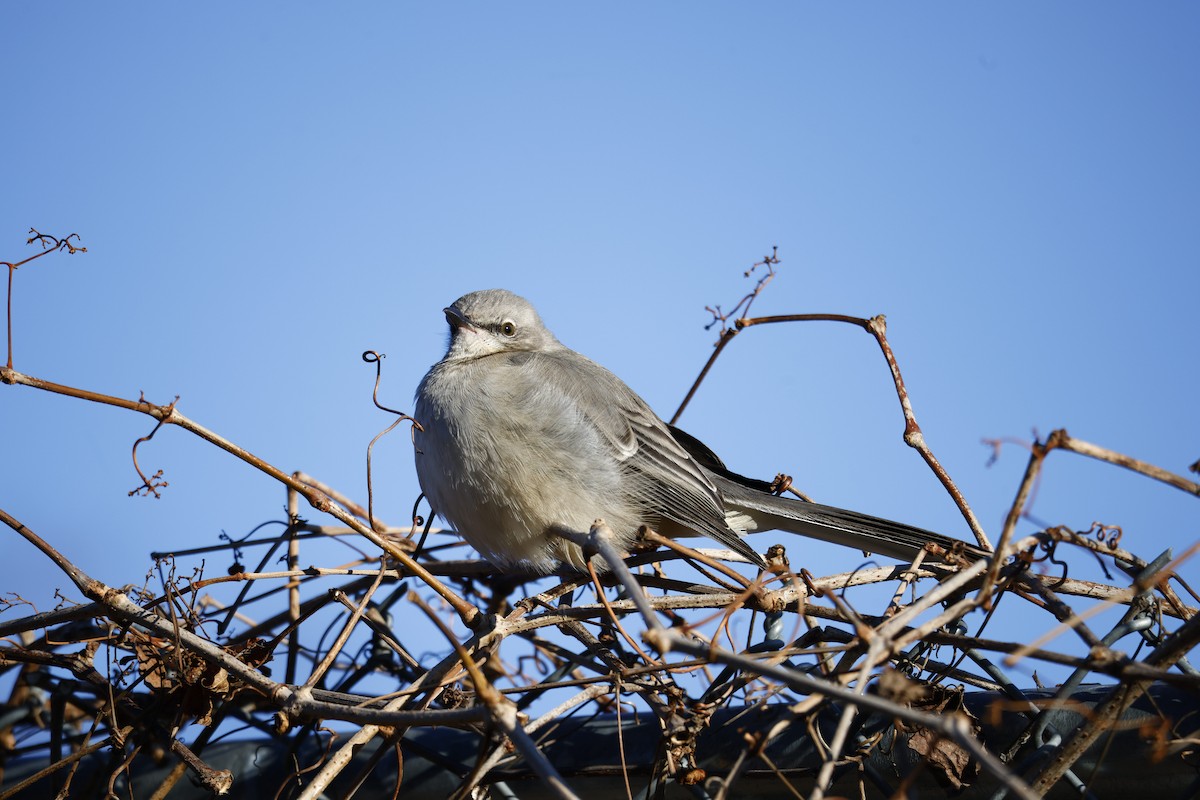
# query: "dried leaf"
944, 756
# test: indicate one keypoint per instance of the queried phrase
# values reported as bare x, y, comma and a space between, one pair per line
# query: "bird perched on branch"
521, 436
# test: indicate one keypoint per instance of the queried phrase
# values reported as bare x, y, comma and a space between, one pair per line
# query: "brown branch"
50, 244
318, 500
665, 640
1119, 700
693, 633
1061, 440
913, 435
66, 761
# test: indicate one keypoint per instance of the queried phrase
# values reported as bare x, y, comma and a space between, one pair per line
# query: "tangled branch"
671, 665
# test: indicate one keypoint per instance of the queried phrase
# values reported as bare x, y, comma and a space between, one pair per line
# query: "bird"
519, 437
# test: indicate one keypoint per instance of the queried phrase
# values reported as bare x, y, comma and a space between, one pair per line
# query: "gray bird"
520, 435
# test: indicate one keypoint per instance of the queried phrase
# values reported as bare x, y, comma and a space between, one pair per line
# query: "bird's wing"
673, 484
711, 463
752, 498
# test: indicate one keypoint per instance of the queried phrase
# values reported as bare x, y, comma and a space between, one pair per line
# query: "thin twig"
318, 500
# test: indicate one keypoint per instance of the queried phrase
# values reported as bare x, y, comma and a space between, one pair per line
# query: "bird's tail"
753, 510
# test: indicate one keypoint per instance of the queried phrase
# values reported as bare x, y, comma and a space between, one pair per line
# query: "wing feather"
671, 484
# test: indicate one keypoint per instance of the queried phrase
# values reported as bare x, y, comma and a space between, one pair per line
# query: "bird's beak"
456, 319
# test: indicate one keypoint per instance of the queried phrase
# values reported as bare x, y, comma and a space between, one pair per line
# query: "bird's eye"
508, 329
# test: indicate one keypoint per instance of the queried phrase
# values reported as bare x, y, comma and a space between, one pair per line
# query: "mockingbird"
521, 436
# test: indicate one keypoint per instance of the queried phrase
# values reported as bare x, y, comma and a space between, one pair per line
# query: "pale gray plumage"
520, 435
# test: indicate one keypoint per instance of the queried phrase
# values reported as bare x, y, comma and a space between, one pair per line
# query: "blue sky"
267, 191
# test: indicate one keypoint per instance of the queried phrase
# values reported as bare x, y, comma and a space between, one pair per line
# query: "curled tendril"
50, 243
373, 357
1106, 534
1050, 548
781, 484
151, 485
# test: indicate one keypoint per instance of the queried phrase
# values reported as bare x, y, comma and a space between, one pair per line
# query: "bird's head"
494, 321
